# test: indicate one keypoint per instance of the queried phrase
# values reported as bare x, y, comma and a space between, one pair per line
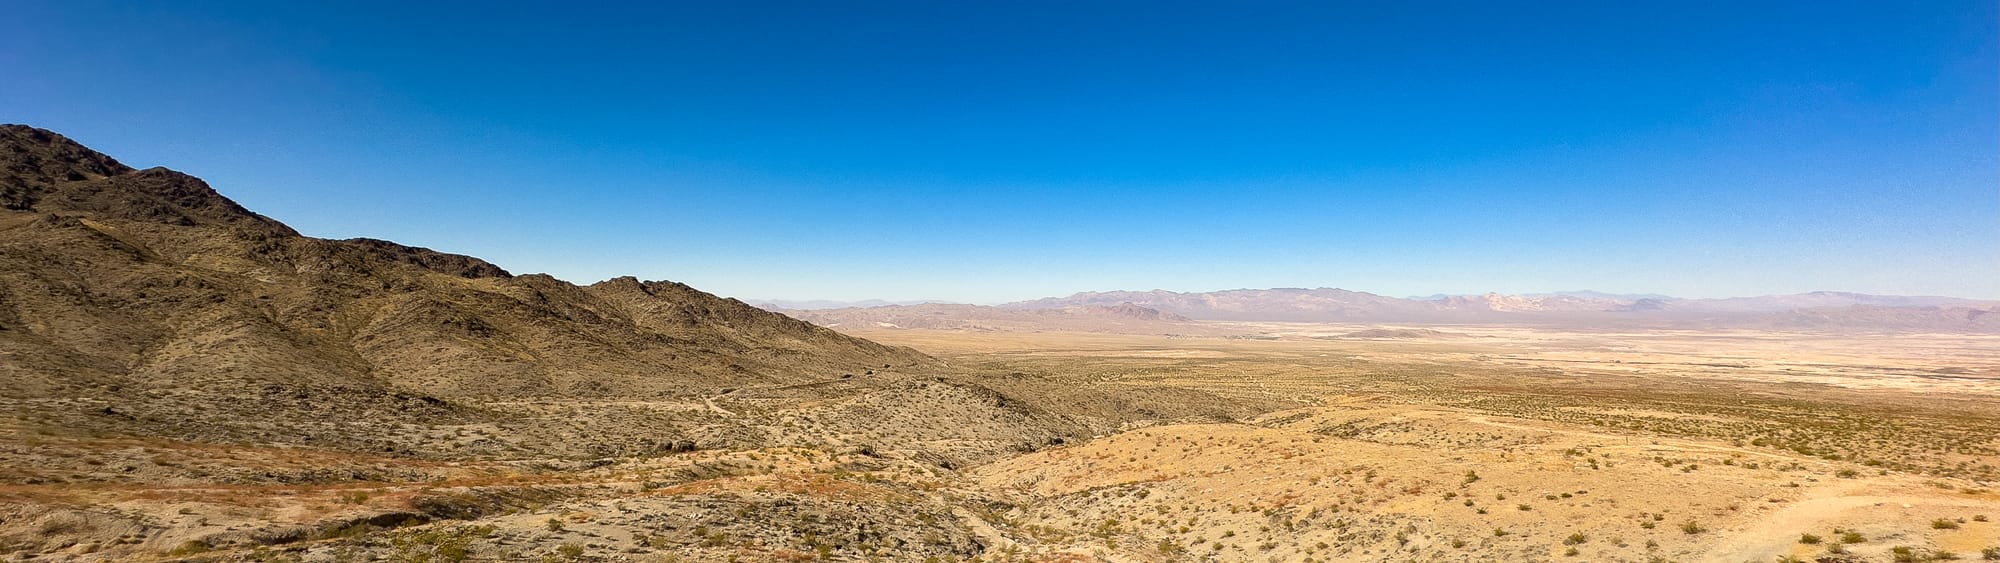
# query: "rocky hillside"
182, 379
149, 294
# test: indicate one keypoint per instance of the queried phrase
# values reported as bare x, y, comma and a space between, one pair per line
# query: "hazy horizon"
996, 153
1424, 296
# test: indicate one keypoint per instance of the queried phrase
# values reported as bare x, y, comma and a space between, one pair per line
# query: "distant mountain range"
1820, 310
1124, 317
813, 304
1583, 293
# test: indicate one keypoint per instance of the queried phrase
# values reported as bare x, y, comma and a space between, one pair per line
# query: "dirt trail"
710, 401
1776, 533
994, 540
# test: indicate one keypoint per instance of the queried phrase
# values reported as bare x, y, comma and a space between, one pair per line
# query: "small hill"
1400, 334
1123, 311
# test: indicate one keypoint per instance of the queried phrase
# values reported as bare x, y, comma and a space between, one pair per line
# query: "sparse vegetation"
190, 547
1284, 478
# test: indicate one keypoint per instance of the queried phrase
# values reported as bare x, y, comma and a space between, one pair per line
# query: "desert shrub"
61, 524
349, 530
437, 545
1809, 539
1852, 537
1944, 524
1693, 527
1576, 539
190, 547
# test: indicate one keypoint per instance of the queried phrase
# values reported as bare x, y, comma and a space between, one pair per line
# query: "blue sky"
996, 151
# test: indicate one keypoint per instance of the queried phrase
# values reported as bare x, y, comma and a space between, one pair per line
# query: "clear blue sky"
991, 151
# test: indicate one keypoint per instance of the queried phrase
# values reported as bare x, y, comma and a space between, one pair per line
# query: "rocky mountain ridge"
153, 295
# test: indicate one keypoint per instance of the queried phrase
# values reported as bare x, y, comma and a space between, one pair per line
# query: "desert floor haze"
182, 379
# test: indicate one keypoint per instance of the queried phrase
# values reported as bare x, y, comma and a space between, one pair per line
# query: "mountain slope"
148, 291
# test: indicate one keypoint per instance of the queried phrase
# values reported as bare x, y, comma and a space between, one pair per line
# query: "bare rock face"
33, 161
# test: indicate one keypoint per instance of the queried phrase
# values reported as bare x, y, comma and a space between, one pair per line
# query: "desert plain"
1240, 442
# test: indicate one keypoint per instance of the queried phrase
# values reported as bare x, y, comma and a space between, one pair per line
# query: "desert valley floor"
1248, 442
